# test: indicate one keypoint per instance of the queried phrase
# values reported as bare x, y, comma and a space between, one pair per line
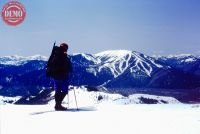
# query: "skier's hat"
64, 46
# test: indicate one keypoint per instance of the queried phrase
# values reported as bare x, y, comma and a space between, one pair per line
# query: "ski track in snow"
104, 118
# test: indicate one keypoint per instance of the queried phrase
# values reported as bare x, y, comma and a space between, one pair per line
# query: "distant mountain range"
118, 71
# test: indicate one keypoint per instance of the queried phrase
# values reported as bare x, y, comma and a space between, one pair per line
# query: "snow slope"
88, 98
102, 119
93, 98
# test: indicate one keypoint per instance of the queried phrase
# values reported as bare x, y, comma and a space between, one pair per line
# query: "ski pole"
68, 100
75, 100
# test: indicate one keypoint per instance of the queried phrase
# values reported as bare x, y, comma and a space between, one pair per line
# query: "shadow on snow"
81, 109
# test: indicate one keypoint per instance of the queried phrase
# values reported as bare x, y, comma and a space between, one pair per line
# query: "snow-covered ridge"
113, 53
184, 58
176, 56
88, 57
179, 55
96, 97
10, 100
20, 60
173, 56
117, 61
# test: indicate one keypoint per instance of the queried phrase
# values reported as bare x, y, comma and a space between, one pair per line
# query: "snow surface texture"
104, 118
100, 113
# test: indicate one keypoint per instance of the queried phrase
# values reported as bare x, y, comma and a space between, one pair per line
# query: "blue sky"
89, 26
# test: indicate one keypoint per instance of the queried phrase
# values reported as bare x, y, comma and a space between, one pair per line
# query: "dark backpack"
58, 65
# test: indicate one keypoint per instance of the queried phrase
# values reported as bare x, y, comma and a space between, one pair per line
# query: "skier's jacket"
59, 64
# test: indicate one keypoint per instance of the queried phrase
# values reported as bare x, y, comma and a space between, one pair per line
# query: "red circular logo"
13, 13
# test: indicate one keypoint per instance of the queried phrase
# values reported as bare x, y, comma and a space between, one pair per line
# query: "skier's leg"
64, 91
57, 99
59, 96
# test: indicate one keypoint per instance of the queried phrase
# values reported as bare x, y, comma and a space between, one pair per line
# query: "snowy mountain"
101, 68
120, 60
141, 71
116, 71
185, 62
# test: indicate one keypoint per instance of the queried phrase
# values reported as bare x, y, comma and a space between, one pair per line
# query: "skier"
59, 68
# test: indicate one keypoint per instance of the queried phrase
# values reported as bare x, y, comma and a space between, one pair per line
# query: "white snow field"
102, 118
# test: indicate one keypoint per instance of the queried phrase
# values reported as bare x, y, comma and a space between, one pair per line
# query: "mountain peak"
115, 53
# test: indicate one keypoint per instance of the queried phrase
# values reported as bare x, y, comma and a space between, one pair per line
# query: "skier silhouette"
59, 68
